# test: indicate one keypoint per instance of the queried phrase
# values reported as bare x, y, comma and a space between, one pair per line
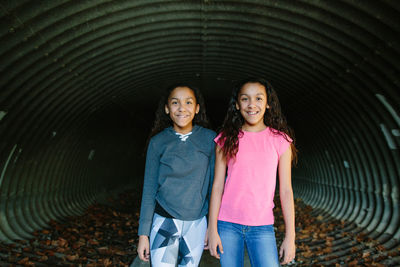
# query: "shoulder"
161, 137
279, 136
208, 133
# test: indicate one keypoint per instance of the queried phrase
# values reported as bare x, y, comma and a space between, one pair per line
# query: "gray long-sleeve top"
178, 175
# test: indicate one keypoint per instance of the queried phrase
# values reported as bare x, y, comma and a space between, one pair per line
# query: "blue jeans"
259, 241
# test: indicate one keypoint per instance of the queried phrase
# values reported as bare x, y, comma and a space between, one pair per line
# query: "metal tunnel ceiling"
79, 83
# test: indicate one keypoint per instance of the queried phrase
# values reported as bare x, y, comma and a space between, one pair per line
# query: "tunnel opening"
79, 84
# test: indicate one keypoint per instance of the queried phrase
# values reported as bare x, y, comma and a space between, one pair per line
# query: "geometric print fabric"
175, 242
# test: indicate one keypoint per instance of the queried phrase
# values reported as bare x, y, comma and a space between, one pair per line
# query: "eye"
259, 99
174, 102
243, 99
189, 102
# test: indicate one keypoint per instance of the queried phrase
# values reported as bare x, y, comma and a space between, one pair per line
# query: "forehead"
253, 89
182, 92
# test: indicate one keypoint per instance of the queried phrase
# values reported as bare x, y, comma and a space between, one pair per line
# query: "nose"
252, 103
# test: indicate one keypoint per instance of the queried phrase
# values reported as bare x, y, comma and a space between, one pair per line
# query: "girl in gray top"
177, 181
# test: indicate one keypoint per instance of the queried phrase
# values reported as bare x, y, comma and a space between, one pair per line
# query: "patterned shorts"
175, 242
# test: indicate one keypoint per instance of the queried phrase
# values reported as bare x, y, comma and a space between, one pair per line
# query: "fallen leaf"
327, 250
43, 258
107, 262
353, 249
353, 263
93, 242
380, 248
23, 261
366, 254
72, 257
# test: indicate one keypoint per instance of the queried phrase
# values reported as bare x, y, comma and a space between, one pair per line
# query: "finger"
290, 257
287, 260
284, 260
280, 253
206, 243
216, 255
146, 254
221, 248
212, 250
141, 256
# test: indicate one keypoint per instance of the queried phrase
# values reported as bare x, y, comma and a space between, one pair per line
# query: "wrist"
290, 237
212, 229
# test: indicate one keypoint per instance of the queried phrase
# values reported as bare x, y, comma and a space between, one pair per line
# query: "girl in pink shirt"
255, 143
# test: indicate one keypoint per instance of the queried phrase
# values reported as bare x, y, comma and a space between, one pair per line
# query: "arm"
214, 240
288, 249
150, 186
211, 174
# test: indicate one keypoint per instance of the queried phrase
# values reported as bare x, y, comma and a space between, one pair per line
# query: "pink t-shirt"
249, 190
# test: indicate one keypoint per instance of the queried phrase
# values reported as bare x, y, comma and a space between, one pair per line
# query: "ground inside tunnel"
106, 235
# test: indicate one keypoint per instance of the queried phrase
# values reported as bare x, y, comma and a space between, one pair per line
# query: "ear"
237, 106
197, 108
166, 109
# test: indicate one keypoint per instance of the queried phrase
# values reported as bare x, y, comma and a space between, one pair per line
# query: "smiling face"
252, 103
181, 108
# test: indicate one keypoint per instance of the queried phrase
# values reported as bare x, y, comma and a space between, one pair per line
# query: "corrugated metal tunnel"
79, 83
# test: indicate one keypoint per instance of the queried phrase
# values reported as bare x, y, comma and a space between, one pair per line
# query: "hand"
206, 240
287, 251
143, 248
215, 244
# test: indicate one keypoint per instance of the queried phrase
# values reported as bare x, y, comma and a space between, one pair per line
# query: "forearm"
215, 203
286, 194
147, 205
287, 204
150, 187
217, 189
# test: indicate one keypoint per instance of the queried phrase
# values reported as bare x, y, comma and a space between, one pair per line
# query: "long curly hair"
231, 129
163, 120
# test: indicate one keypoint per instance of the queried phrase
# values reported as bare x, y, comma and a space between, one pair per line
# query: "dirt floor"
106, 235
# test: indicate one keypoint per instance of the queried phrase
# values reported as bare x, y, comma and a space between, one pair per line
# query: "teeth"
252, 113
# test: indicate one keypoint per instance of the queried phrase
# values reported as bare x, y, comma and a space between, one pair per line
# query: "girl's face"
181, 108
252, 103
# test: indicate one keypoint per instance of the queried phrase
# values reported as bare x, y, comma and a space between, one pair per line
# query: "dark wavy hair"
231, 129
163, 120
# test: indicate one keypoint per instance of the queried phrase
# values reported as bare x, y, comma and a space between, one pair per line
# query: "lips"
251, 113
182, 116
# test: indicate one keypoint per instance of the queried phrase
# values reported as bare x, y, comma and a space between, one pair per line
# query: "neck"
253, 128
183, 130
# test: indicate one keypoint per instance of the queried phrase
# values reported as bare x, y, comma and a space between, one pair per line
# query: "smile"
252, 112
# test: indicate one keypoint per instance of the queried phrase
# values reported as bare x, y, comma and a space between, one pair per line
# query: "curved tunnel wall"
80, 80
